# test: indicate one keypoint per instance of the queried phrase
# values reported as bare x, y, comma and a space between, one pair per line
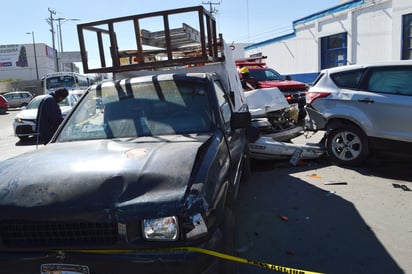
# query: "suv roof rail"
152, 49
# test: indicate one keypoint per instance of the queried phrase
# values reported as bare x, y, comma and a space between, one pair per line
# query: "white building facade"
353, 32
21, 62
32, 61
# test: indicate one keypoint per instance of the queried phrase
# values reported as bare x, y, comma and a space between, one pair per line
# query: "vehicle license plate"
64, 269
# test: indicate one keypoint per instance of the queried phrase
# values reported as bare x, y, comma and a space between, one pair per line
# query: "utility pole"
212, 10
50, 20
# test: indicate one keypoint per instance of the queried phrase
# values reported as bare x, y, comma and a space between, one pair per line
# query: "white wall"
374, 33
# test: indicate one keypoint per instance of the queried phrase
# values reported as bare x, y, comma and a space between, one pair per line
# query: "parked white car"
24, 123
362, 108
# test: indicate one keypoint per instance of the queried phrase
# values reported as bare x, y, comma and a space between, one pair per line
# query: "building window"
407, 37
334, 50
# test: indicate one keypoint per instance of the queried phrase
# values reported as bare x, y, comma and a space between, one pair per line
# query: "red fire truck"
255, 73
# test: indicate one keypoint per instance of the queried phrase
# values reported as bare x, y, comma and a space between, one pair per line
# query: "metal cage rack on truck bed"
152, 49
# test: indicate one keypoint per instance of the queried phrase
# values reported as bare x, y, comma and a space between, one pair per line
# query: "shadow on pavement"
390, 166
285, 221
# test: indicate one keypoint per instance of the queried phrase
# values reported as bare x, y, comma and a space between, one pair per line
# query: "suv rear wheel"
347, 145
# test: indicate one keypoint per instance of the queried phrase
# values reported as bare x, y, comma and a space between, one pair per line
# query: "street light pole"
59, 20
35, 54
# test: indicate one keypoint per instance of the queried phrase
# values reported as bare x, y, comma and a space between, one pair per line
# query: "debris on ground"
283, 218
403, 187
335, 183
314, 175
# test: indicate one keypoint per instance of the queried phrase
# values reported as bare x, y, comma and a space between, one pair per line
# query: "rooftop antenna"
212, 10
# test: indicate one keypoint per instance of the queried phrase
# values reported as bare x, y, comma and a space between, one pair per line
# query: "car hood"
65, 110
31, 114
262, 101
27, 114
107, 176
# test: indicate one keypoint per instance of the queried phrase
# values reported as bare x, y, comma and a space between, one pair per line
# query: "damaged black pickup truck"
142, 168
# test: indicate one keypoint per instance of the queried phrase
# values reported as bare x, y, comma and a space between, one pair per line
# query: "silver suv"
18, 98
362, 108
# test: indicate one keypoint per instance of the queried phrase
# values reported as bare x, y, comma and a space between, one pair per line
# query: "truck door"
235, 138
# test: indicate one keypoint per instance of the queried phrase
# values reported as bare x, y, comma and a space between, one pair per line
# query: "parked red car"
4, 105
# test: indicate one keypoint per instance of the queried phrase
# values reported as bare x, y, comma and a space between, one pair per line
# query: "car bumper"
24, 129
110, 262
314, 120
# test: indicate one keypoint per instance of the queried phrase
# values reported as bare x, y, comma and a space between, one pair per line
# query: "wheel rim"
346, 146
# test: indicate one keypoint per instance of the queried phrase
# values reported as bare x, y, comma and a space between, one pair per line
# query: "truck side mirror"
240, 120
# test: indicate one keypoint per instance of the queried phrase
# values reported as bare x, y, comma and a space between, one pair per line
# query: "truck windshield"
265, 75
120, 110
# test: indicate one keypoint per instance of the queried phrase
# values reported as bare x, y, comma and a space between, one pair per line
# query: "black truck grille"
52, 234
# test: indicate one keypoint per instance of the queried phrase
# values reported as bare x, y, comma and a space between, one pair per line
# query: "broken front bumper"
266, 148
314, 120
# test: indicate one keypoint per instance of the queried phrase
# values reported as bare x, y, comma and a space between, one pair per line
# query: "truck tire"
228, 233
347, 145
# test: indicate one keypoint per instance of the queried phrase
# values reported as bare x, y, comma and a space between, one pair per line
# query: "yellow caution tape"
278, 268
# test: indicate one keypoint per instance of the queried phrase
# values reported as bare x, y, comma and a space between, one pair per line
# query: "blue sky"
240, 21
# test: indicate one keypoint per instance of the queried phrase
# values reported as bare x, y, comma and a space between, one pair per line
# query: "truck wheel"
228, 232
347, 145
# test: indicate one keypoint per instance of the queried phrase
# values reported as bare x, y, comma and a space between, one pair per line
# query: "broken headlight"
161, 229
199, 228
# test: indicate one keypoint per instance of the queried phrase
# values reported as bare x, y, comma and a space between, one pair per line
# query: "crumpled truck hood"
262, 101
96, 176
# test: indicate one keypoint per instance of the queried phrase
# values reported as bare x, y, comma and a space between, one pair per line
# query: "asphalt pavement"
324, 218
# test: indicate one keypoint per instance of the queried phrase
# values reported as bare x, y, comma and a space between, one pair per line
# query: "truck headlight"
161, 229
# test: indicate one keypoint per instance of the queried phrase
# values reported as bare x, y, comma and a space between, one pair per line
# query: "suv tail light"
312, 96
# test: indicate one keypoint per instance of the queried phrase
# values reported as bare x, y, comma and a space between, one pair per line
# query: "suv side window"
394, 80
347, 79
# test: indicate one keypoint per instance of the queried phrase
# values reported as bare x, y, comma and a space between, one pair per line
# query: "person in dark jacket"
49, 115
